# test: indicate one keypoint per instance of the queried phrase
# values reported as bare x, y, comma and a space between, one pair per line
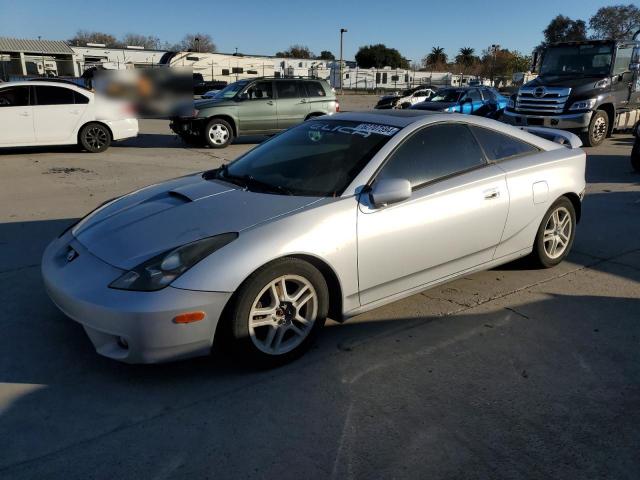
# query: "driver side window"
433, 153
260, 91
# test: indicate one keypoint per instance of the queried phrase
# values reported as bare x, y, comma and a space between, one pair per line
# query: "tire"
94, 137
548, 249
635, 155
276, 337
218, 133
598, 129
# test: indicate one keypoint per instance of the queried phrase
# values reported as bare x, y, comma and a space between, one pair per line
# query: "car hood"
145, 223
434, 106
212, 102
564, 81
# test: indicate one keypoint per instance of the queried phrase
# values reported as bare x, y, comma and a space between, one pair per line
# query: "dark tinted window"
314, 89
498, 146
14, 97
287, 89
54, 96
260, 91
432, 153
488, 94
473, 95
79, 98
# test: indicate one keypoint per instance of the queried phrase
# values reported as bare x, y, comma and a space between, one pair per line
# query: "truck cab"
589, 87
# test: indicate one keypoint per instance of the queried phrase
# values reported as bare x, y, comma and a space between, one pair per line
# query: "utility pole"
342, 32
197, 44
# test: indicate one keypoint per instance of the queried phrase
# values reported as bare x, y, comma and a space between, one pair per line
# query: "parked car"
406, 98
60, 113
480, 101
209, 94
255, 106
333, 217
201, 86
589, 87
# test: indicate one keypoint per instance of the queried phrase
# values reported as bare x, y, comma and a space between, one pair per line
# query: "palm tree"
465, 57
436, 57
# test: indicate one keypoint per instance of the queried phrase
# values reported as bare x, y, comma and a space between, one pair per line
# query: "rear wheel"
598, 129
95, 137
218, 133
278, 312
556, 234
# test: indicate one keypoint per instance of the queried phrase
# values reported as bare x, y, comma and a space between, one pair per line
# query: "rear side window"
14, 97
314, 89
287, 89
54, 96
432, 153
498, 146
79, 98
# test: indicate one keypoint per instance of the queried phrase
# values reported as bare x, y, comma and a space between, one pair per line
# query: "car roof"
25, 83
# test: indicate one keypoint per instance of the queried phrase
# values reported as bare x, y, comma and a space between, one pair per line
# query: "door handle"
24, 114
304, 100
270, 102
75, 112
491, 194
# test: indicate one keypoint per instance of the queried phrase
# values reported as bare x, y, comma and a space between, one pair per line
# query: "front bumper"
187, 126
132, 327
572, 121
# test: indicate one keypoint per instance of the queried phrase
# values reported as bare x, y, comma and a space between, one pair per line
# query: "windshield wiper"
247, 181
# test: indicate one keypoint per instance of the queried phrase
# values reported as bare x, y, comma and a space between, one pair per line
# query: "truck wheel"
598, 129
218, 133
635, 155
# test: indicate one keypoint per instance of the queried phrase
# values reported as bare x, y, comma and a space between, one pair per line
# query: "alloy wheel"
96, 137
218, 134
557, 233
599, 129
283, 314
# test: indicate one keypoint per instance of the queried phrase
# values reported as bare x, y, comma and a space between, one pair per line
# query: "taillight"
337, 106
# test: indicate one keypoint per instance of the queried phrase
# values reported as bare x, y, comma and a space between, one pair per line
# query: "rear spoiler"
562, 137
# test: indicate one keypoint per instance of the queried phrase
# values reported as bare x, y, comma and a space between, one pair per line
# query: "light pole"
197, 44
494, 50
342, 32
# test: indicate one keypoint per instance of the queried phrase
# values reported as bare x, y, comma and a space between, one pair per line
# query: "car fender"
326, 230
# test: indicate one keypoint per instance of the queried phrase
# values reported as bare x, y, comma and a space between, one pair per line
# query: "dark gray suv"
255, 106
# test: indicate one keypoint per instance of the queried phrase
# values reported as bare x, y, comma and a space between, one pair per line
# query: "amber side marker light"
189, 317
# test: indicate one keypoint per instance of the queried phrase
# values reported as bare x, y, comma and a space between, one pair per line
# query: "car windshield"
317, 158
231, 90
447, 96
581, 59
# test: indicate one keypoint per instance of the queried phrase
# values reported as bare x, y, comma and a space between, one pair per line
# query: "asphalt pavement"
514, 373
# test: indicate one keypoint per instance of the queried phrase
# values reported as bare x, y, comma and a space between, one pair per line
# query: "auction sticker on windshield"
363, 129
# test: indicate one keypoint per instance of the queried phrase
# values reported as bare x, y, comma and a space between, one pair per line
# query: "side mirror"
242, 96
389, 190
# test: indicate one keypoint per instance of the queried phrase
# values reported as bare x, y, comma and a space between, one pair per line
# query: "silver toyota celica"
331, 218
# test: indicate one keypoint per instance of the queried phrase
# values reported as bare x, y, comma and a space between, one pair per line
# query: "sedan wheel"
277, 312
95, 138
283, 314
556, 233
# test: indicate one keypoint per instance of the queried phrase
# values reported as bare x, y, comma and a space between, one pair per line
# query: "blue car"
481, 101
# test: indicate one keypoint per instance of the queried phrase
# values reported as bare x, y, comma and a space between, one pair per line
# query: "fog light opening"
122, 343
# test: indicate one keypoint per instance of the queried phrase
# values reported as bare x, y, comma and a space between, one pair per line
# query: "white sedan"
55, 113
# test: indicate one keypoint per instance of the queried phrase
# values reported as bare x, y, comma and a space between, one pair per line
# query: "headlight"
161, 270
584, 104
604, 83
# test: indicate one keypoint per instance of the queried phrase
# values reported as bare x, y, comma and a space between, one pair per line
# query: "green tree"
296, 51
326, 55
380, 56
616, 22
563, 29
147, 41
436, 59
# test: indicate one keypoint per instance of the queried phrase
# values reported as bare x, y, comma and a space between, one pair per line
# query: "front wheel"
278, 312
218, 133
95, 137
556, 234
598, 129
